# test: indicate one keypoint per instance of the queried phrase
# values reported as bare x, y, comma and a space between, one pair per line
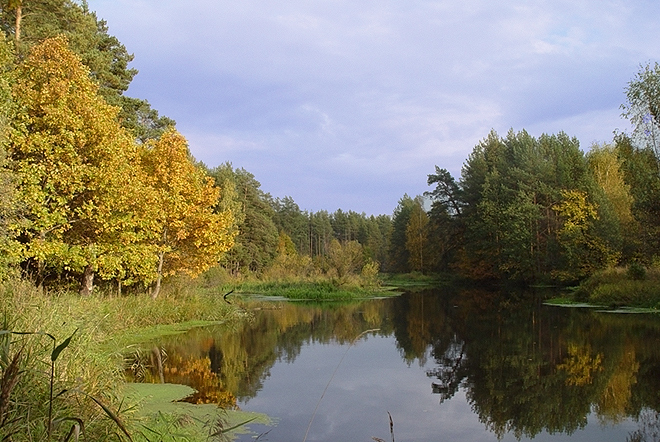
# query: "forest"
100, 190
102, 205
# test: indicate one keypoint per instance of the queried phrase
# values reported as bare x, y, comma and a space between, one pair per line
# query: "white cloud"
303, 92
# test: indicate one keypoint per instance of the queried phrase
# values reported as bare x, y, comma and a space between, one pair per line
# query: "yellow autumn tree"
77, 173
606, 168
584, 251
191, 235
346, 258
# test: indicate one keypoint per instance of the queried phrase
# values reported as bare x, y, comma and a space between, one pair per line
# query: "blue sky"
351, 104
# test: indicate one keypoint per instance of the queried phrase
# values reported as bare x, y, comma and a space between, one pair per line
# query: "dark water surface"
466, 365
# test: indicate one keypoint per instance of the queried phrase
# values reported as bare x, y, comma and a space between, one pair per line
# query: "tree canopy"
98, 184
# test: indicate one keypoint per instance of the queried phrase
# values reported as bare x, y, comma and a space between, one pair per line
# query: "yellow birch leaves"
190, 234
96, 201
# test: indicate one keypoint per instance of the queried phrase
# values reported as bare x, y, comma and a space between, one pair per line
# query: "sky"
345, 104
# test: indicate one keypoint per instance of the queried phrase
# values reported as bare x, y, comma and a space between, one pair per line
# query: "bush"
616, 287
636, 271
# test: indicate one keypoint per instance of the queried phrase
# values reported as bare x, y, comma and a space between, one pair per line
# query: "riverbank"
634, 287
86, 340
297, 288
325, 288
63, 356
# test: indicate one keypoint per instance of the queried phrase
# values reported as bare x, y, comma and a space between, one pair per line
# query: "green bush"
617, 287
636, 271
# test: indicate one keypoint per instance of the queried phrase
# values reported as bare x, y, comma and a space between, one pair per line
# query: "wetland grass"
59, 389
635, 286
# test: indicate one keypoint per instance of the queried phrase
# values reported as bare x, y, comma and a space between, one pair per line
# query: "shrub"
636, 271
633, 287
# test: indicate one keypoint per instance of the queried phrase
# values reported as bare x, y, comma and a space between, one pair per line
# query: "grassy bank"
87, 375
84, 342
634, 286
313, 288
319, 290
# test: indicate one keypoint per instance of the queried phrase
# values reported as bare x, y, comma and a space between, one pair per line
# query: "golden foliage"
191, 234
581, 365
76, 168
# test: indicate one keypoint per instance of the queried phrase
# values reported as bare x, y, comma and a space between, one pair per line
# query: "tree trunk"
19, 17
156, 291
159, 364
88, 281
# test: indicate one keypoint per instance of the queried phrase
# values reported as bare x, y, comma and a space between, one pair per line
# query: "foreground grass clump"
88, 377
634, 286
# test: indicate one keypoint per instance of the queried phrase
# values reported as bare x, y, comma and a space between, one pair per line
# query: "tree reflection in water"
525, 368
649, 427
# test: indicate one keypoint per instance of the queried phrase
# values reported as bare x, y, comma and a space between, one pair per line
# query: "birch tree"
75, 167
190, 235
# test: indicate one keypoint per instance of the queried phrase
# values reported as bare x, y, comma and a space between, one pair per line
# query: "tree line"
535, 209
529, 209
98, 186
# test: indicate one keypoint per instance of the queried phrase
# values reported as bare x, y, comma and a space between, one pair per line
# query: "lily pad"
160, 411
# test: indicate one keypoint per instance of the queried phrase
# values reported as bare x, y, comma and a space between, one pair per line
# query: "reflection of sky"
371, 381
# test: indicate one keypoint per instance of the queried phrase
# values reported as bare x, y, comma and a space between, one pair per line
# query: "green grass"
618, 287
162, 417
313, 289
305, 290
88, 379
414, 280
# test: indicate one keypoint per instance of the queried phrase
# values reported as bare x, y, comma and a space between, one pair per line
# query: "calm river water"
460, 365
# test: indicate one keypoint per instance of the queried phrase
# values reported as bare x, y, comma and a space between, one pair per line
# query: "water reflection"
524, 369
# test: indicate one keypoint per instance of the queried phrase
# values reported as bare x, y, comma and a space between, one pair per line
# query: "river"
447, 364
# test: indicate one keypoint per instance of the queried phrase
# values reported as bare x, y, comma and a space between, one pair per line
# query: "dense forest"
99, 189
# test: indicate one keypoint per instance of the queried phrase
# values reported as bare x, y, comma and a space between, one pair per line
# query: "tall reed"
86, 374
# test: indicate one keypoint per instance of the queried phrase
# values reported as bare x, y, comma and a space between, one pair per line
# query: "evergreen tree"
33, 21
399, 256
446, 227
322, 232
292, 221
255, 245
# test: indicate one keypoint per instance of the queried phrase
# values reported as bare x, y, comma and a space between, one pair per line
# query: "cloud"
362, 99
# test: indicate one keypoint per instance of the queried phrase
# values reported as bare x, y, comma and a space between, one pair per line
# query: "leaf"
227, 430
56, 352
111, 415
76, 428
